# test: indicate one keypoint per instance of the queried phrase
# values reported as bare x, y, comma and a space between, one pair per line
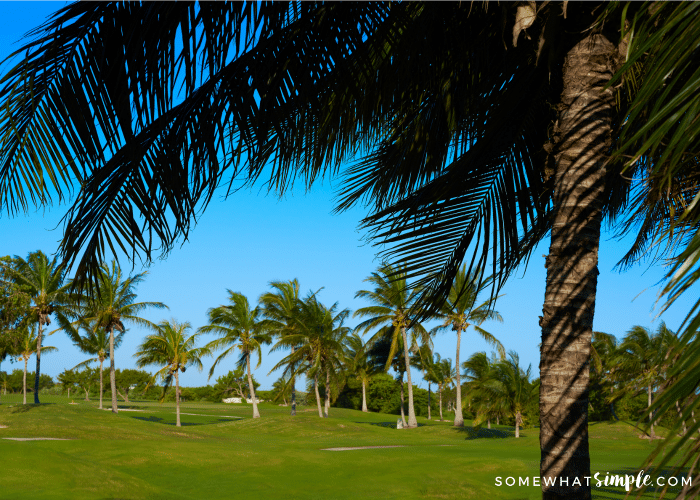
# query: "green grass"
142, 455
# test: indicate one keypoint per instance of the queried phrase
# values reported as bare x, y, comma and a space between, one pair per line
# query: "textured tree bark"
294, 393
24, 383
38, 361
518, 423
459, 418
582, 136
327, 404
364, 397
177, 399
440, 391
318, 396
101, 384
412, 422
251, 388
112, 379
680, 415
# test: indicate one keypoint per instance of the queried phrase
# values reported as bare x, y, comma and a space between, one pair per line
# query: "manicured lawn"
142, 455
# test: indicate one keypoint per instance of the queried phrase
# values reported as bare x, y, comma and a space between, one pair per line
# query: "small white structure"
399, 424
232, 400
250, 401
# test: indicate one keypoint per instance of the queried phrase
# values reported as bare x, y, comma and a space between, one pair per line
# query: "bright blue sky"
250, 239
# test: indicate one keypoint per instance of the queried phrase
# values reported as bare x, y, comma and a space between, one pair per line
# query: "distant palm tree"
239, 327
392, 304
445, 375
29, 344
170, 347
110, 303
641, 361
604, 354
460, 311
358, 364
281, 307
510, 387
320, 336
94, 341
282, 388
43, 280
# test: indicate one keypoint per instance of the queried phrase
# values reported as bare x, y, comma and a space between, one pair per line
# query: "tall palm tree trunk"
518, 423
327, 405
403, 414
364, 396
294, 393
428, 400
680, 416
440, 393
459, 418
318, 396
251, 388
38, 361
412, 422
24, 383
177, 399
652, 435
582, 140
112, 376
101, 384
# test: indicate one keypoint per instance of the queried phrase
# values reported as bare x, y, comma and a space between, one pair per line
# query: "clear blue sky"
250, 239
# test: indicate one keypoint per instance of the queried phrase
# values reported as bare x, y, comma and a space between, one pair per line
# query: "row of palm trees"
95, 318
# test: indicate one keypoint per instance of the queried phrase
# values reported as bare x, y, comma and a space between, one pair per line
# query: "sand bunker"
38, 439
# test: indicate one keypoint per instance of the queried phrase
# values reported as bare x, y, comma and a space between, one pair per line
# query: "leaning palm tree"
29, 344
282, 389
390, 312
280, 308
94, 341
320, 336
460, 311
171, 348
43, 281
240, 328
471, 136
110, 304
510, 387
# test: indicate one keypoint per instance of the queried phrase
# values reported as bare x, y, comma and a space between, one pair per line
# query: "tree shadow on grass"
388, 425
484, 433
160, 420
29, 407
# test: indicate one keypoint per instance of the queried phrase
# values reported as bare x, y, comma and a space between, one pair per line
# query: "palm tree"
110, 304
604, 354
320, 336
358, 364
171, 348
43, 281
392, 303
467, 136
641, 361
282, 389
94, 341
240, 328
29, 344
445, 376
510, 386
281, 307
460, 311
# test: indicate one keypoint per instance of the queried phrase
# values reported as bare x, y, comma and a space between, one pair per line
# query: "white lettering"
687, 481
588, 480
562, 479
674, 479
512, 481
576, 482
600, 483
536, 481
660, 481
549, 481
524, 481
498, 481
